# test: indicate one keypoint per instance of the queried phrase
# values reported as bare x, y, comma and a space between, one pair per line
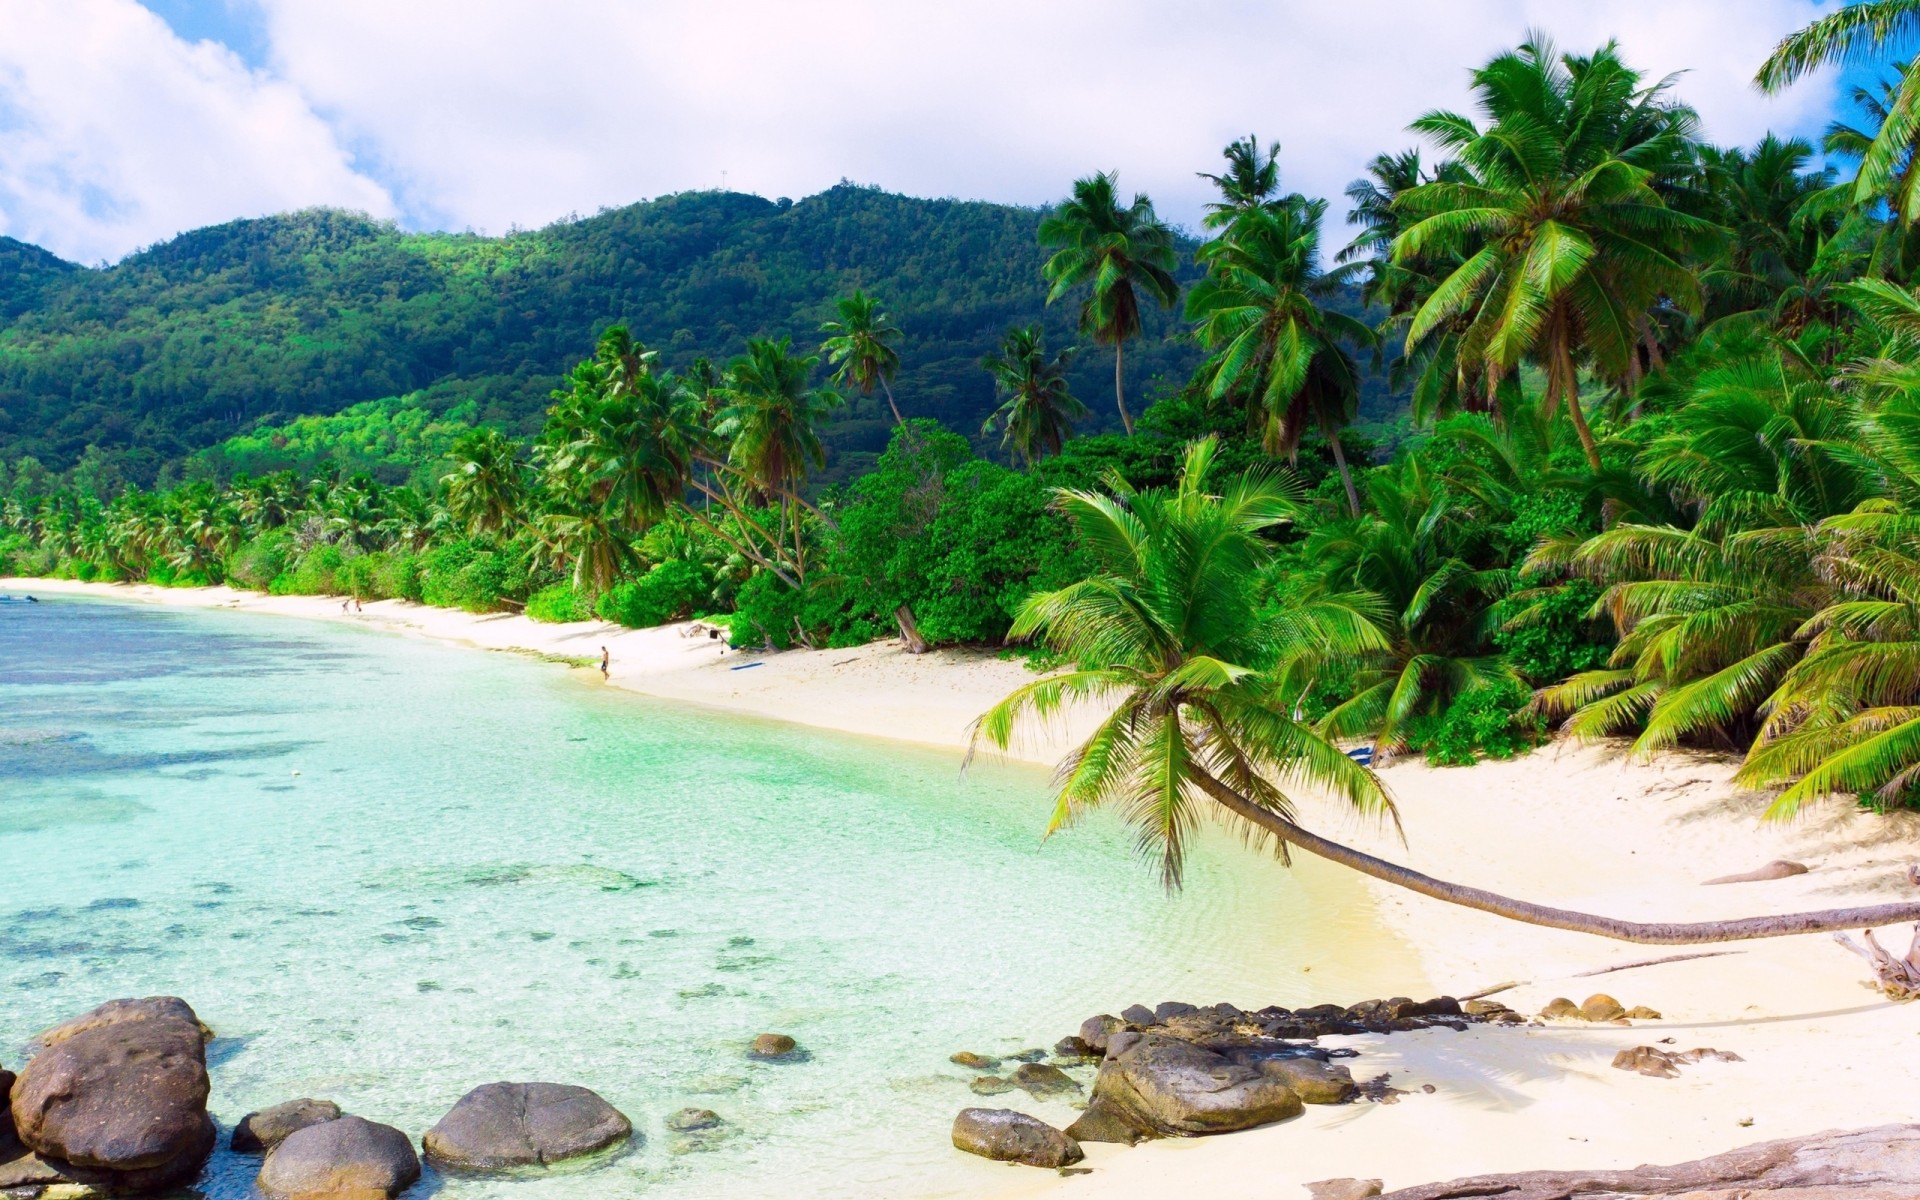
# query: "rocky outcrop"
499, 1126
1864, 1164
1007, 1136
261, 1131
350, 1158
1162, 1086
116, 1099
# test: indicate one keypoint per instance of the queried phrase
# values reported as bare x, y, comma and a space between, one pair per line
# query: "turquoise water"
386, 870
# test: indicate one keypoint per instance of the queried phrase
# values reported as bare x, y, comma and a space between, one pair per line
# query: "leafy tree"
1116, 253
859, 347
486, 489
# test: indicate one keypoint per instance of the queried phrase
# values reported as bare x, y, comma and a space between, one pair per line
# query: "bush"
261, 561
467, 576
397, 577
1482, 723
312, 574
1555, 638
559, 603
671, 591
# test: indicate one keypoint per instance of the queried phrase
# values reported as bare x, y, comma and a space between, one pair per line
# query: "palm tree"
1252, 178
1260, 310
1169, 634
1855, 33
1037, 416
770, 422
1577, 244
1892, 247
1118, 253
486, 489
1779, 258
859, 347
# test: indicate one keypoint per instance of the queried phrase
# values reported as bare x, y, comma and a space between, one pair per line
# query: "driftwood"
1666, 1064
1897, 977
1495, 990
1779, 868
1865, 1164
1655, 962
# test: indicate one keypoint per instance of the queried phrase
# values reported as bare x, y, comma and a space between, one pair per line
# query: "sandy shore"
1574, 826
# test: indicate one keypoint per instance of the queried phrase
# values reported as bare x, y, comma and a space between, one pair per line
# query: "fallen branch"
1899, 978
1654, 962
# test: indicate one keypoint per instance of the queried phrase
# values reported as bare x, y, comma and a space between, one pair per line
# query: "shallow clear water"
386, 870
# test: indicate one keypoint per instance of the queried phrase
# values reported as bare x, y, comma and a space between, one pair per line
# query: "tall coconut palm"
486, 489
859, 346
1577, 244
1168, 638
1778, 259
1037, 415
1252, 178
1261, 311
770, 422
1864, 32
1116, 253
1892, 246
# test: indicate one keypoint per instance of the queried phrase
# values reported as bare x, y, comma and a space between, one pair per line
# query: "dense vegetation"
1665, 482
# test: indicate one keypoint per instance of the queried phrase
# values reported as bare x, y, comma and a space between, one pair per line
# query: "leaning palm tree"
1262, 311
1118, 253
1039, 411
1859, 33
1567, 206
859, 347
1170, 639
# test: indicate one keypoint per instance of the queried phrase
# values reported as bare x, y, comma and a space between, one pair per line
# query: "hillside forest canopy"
1581, 423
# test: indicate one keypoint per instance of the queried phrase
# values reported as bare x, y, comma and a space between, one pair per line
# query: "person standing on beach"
605, 659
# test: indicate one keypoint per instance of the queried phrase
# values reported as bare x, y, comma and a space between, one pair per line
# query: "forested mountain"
223, 330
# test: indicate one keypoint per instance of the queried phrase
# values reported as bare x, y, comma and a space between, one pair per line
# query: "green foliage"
1549, 635
560, 603
469, 576
394, 441
671, 591
261, 561
1488, 722
314, 573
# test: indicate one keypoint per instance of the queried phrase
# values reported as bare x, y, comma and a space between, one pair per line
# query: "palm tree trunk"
1346, 476
897, 418
909, 630
1659, 933
1119, 390
1563, 386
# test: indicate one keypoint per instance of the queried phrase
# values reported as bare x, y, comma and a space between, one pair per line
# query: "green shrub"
1555, 638
1482, 723
671, 591
559, 603
467, 576
397, 577
314, 573
258, 563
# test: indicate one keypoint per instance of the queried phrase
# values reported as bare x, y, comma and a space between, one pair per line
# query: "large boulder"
352, 1158
502, 1125
119, 1096
261, 1131
1162, 1086
1314, 1080
1007, 1136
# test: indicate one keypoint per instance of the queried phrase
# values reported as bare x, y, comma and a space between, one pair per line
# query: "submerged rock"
773, 1047
1042, 1081
1163, 1086
975, 1062
1007, 1136
1074, 1046
497, 1126
992, 1085
261, 1131
352, 1158
119, 1097
691, 1120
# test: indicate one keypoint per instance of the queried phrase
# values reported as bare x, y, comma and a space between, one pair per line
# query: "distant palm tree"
859, 347
1576, 243
486, 489
1252, 178
1036, 417
770, 420
1170, 639
1117, 253
1260, 310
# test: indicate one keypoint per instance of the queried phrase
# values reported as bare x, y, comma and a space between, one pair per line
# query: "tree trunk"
1563, 379
1119, 392
909, 631
897, 418
1346, 476
1659, 933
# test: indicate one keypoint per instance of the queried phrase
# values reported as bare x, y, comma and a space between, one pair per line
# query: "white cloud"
114, 133
489, 113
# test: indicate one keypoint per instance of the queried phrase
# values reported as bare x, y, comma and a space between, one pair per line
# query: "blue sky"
127, 121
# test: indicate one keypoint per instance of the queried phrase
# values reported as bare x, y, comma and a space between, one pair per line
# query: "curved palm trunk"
1346, 475
1119, 390
1659, 933
1563, 387
897, 418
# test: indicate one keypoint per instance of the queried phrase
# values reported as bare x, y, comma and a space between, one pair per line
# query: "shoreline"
1578, 826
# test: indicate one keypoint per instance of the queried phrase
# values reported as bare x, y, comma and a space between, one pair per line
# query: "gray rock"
1043, 1082
120, 1091
351, 1157
1344, 1189
1163, 1086
975, 1062
1101, 1122
1095, 1031
1137, 1014
992, 1085
691, 1120
497, 1126
1007, 1136
1313, 1080
261, 1131
8, 1143
1074, 1046
1172, 1008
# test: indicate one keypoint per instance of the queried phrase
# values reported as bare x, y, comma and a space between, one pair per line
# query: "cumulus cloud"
493, 113
114, 133
484, 113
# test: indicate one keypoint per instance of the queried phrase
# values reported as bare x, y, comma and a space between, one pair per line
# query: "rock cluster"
114, 1103
1599, 1008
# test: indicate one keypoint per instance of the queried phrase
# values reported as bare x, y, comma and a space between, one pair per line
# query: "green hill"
225, 330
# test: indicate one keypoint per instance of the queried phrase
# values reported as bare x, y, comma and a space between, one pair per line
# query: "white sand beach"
1575, 826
